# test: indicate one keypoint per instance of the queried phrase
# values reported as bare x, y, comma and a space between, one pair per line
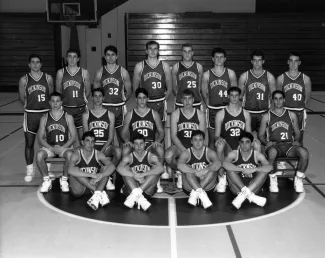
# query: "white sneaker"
179, 182
143, 203
281, 165
132, 198
273, 184
241, 197
258, 200
299, 186
165, 175
110, 186
104, 200
52, 176
204, 198
222, 184
159, 187
64, 185
29, 176
93, 202
193, 199
46, 186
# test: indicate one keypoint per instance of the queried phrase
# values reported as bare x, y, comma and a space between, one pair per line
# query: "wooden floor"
32, 227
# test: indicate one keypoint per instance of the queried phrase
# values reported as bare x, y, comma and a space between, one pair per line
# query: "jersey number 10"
59, 138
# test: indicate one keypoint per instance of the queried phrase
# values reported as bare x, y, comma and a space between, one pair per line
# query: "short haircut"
245, 134
56, 94
34, 56
110, 48
141, 90
257, 53
187, 45
198, 132
152, 42
99, 90
187, 92
295, 53
278, 92
233, 88
218, 50
138, 136
73, 50
88, 134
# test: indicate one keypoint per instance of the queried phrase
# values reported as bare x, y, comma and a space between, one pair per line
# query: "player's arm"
97, 78
73, 170
157, 167
295, 127
173, 130
213, 157
265, 167
58, 81
127, 84
41, 134
50, 83
307, 89
233, 78
108, 167
227, 163
279, 82
168, 77
137, 76
174, 78
123, 168
160, 129
87, 83
272, 82
181, 163
204, 87
111, 131
248, 125
202, 122
219, 118
241, 84
262, 130
200, 71
85, 117
72, 132
21, 88
125, 135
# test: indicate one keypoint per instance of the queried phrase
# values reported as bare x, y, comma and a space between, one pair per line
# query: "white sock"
64, 178
300, 174
45, 178
30, 167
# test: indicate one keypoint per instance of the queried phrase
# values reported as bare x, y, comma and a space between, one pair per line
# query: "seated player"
247, 171
282, 130
141, 170
90, 169
230, 122
183, 122
101, 121
55, 135
199, 166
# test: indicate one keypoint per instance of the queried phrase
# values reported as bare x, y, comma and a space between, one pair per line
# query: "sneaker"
281, 165
64, 185
143, 203
193, 199
52, 176
179, 182
159, 187
204, 198
46, 186
222, 184
273, 184
110, 186
299, 186
132, 198
104, 200
241, 197
93, 202
258, 200
29, 176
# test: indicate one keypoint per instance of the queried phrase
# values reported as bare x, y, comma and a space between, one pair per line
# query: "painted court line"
10, 133
9, 103
172, 224
233, 242
315, 187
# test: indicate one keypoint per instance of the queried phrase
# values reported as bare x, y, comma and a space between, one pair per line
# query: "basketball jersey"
217, 87
187, 78
250, 162
154, 81
139, 165
186, 126
57, 131
99, 126
113, 86
257, 92
232, 127
90, 165
144, 125
37, 94
280, 127
198, 163
74, 93
294, 91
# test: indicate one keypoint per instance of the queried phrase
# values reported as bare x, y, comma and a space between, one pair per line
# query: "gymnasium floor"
31, 227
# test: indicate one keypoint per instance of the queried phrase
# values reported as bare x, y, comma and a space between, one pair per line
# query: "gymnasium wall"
22, 6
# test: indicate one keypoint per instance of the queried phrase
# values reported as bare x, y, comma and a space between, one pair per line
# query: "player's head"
187, 98
88, 140
56, 100
141, 95
98, 96
246, 141
257, 59
294, 60
187, 52
197, 139
73, 56
110, 54
35, 62
152, 49
234, 94
219, 56
139, 142
278, 98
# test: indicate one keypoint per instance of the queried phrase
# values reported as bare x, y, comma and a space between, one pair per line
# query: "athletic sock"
64, 178
45, 178
30, 167
300, 174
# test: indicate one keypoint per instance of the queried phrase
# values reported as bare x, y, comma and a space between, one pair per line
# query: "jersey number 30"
144, 132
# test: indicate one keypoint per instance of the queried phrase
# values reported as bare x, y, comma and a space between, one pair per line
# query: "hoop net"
70, 18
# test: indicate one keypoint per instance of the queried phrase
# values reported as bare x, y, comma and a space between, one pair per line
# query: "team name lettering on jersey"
187, 126
250, 165
140, 168
152, 74
111, 80
56, 127
199, 165
293, 86
256, 85
187, 73
219, 82
36, 87
235, 123
98, 124
142, 124
90, 170
71, 83
279, 124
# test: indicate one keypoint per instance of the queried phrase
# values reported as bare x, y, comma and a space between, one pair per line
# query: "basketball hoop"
70, 19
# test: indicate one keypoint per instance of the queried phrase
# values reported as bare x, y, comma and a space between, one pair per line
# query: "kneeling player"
199, 166
141, 170
83, 170
247, 171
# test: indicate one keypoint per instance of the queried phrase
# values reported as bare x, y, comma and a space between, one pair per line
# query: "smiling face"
152, 51
197, 141
89, 143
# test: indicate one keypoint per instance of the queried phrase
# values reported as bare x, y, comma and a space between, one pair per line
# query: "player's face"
35, 64
257, 62
152, 51
188, 101
294, 62
72, 59
55, 102
278, 100
139, 145
98, 98
110, 57
234, 97
89, 143
245, 144
187, 53
218, 59
142, 100
197, 142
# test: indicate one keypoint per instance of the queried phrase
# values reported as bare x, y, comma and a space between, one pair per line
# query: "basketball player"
247, 171
141, 170
215, 83
154, 75
100, 121
280, 133
90, 169
187, 75
116, 83
230, 122
55, 135
34, 91
297, 89
74, 84
257, 86
183, 122
199, 165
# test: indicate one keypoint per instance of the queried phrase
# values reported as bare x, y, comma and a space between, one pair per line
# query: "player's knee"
303, 153
169, 157
41, 156
126, 150
67, 154
118, 153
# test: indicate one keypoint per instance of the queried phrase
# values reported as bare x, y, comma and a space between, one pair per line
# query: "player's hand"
257, 145
128, 144
156, 144
201, 173
295, 143
139, 177
58, 149
220, 143
248, 171
95, 178
269, 144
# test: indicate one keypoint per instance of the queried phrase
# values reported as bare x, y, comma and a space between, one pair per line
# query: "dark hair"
34, 56
152, 42
110, 48
138, 136
278, 92
233, 88
294, 53
72, 50
257, 53
99, 90
187, 92
197, 132
218, 50
56, 94
88, 134
141, 90
187, 45
245, 134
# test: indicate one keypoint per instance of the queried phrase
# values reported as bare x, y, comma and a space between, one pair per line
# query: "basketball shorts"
32, 121
283, 148
211, 117
301, 117
51, 154
76, 113
119, 112
256, 119
246, 180
160, 107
